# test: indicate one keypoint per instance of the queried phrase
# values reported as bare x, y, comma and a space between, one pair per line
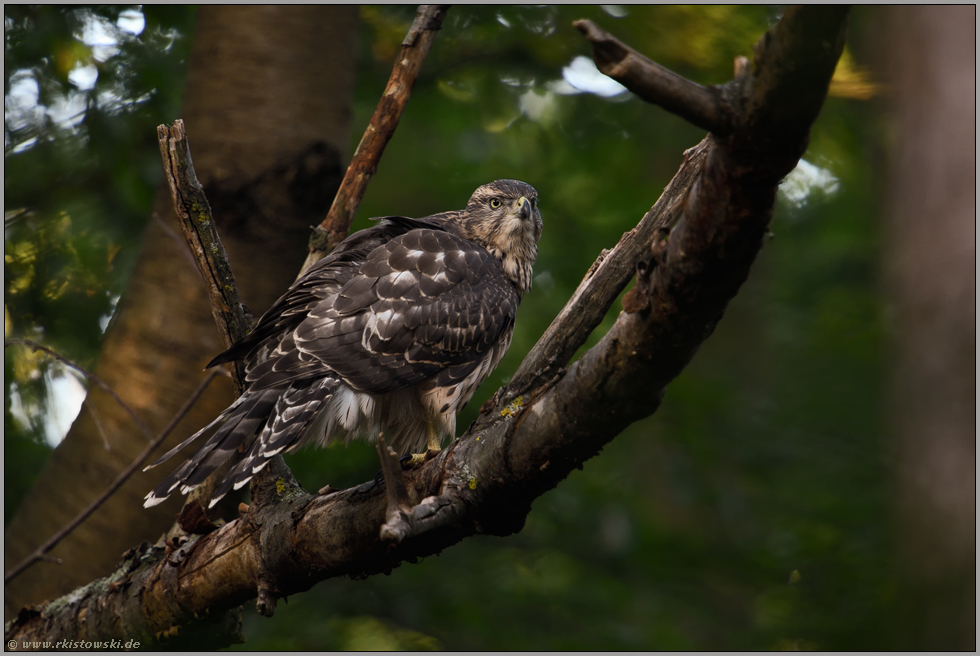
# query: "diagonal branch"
415, 48
603, 282
485, 481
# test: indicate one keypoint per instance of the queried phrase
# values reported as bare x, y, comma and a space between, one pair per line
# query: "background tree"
751, 511
929, 270
268, 97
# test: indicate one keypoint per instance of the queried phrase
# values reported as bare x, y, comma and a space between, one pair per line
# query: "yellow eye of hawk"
494, 203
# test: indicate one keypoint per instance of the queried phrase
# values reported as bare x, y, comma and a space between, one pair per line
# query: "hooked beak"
523, 207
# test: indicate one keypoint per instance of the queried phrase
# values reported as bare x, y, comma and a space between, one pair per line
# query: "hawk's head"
503, 217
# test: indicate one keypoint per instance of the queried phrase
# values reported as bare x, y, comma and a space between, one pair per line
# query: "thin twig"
41, 551
200, 233
89, 375
333, 229
98, 423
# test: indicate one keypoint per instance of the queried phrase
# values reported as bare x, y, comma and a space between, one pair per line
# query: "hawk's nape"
393, 331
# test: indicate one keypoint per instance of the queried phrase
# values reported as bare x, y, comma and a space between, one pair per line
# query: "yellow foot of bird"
420, 458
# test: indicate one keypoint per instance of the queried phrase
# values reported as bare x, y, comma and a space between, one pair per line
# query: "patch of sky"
106, 318
799, 186
616, 11
99, 34
84, 76
582, 76
538, 106
20, 104
63, 386
131, 21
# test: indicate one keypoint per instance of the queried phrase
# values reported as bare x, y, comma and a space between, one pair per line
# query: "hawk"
392, 331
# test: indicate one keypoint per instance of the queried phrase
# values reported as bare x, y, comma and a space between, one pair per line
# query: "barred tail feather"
220, 418
239, 423
297, 413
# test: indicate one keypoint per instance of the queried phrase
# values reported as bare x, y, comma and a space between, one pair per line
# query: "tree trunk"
267, 109
930, 262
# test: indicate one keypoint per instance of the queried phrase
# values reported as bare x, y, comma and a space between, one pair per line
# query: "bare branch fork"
198, 226
690, 260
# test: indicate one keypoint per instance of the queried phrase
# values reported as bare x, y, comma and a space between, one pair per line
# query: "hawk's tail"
239, 423
297, 414
280, 418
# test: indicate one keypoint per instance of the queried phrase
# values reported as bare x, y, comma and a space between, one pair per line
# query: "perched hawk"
393, 331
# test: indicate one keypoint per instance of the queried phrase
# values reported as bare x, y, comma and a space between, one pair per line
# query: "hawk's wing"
320, 282
395, 305
425, 303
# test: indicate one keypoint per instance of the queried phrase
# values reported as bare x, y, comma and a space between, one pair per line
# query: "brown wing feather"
404, 303
425, 301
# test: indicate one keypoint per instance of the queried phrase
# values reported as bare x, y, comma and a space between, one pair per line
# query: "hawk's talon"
419, 458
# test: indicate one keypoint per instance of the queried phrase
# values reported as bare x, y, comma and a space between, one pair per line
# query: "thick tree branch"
485, 481
364, 164
197, 224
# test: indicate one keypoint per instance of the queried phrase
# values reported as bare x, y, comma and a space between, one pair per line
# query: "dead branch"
522, 446
197, 224
704, 107
415, 48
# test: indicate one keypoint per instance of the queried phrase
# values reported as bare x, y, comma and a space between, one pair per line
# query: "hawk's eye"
494, 203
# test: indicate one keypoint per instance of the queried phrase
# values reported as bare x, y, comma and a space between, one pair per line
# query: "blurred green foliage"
750, 512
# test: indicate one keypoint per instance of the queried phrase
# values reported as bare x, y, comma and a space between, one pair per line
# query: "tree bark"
267, 107
930, 269
525, 444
